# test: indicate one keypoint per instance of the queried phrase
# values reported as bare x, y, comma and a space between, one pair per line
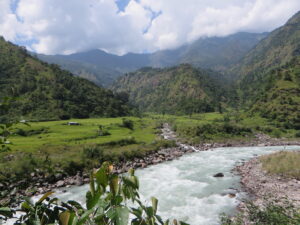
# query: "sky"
122, 26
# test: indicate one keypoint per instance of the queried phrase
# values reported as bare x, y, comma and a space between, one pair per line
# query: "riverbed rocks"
262, 185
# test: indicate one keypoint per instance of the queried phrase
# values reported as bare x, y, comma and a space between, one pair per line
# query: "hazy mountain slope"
181, 89
100, 75
45, 91
217, 53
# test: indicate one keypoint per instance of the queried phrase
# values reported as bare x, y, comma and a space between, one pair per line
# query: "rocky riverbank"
40, 185
263, 186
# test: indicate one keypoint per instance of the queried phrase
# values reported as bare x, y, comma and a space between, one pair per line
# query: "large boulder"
219, 175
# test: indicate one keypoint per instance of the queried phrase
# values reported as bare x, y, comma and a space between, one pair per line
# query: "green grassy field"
57, 133
55, 146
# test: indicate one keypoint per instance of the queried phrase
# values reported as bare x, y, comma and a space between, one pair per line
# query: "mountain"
43, 91
176, 90
216, 53
269, 75
278, 97
278, 48
103, 68
97, 74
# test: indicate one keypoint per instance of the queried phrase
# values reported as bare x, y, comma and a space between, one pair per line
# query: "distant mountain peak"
214, 53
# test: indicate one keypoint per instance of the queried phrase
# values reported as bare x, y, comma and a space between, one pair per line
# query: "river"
186, 188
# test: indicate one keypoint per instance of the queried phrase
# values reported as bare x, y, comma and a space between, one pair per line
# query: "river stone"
60, 183
219, 175
231, 195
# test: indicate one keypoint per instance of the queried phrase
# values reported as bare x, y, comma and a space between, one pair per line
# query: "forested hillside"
176, 90
278, 96
269, 76
43, 91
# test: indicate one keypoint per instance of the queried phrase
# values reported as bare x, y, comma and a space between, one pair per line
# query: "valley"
186, 118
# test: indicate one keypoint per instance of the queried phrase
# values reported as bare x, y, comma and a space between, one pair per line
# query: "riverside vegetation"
106, 203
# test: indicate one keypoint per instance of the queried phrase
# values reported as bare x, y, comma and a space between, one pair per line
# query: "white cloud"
76, 25
8, 21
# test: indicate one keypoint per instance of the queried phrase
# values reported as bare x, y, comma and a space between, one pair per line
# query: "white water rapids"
186, 188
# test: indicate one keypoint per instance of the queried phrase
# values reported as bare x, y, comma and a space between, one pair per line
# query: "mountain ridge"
208, 53
42, 91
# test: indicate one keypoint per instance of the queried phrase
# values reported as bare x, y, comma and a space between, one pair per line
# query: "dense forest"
176, 90
45, 92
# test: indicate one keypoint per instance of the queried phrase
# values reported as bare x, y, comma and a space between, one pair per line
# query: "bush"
72, 167
26, 133
93, 152
127, 123
276, 133
297, 134
272, 212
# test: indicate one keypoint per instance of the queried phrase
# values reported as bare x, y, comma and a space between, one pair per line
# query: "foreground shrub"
106, 203
271, 213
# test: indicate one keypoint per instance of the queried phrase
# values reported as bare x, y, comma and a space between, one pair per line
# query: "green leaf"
64, 218
122, 214
114, 184
101, 178
154, 204
183, 223
85, 217
75, 204
45, 196
91, 201
26, 206
92, 184
6, 212
131, 172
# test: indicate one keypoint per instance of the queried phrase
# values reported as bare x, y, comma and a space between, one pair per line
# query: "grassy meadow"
220, 127
286, 164
58, 133
55, 146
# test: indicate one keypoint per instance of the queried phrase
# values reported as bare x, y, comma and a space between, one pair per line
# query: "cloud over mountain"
55, 26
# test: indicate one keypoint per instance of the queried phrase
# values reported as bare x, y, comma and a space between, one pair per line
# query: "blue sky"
122, 4
122, 26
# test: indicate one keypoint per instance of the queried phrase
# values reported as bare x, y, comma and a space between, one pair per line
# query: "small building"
73, 123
